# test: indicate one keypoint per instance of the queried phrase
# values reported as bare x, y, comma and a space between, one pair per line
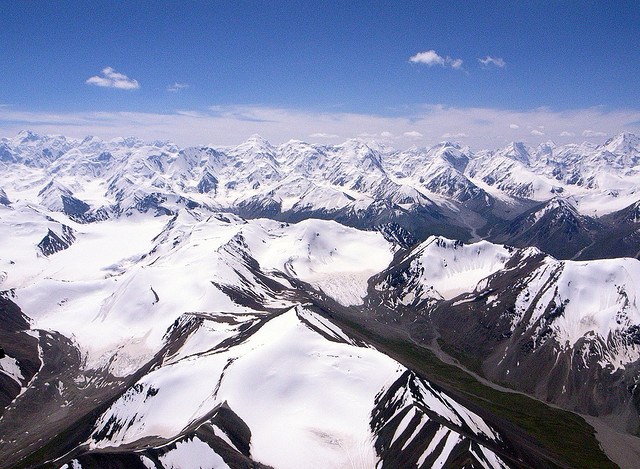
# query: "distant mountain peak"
27, 135
623, 142
519, 152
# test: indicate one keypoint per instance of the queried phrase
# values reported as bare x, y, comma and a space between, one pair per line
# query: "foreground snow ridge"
297, 372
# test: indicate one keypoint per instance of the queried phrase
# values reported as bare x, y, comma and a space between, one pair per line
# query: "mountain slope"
574, 323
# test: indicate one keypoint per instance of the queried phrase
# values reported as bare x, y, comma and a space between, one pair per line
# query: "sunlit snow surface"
9, 366
334, 258
272, 381
192, 453
129, 278
125, 281
306, 398
596, 298
304, 387
447, 268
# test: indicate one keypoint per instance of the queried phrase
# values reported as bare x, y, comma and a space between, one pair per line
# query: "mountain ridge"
443, 190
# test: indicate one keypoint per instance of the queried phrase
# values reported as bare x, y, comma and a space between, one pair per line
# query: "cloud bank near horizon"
480, 128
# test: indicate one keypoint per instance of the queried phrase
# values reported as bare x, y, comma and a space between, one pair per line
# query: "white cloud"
112, 79
495, 61
232, 124
322, 135
537, 133
386, 135
413, 134
593, 134
564, 133
191, 113
174, 88
431, 58
455, 63
514, 126
450, 135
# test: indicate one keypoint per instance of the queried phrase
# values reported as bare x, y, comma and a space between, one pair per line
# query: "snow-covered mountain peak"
445, 268
563, 203
359, 153
544, 151
25, 136
255, 145
257, 139
621, 152
303, 157
453, 155
562, 210
37, 150
254, 151
54, 187
624, 142
518, 151
128, 142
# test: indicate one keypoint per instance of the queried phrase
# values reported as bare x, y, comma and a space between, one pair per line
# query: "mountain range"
290, 306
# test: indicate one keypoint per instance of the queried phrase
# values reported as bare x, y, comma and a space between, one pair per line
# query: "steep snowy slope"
556, 227
509, 170
145, 322
517, 310
269, 379
438, 170
331, 257
439, 269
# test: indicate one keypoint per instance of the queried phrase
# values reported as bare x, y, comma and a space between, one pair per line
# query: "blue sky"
482, 73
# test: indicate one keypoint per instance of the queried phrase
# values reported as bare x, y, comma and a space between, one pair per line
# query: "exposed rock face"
57, 240
183, 330
4, 200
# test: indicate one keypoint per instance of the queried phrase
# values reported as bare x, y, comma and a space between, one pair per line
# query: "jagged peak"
547, 146
90, 139
441, 242
558, 205
623, 142
452, 155
297, 146
129, 142
255, 145
359, 150
355, 143
295, 142
448, 144
517, 151
27, 135
258, 140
